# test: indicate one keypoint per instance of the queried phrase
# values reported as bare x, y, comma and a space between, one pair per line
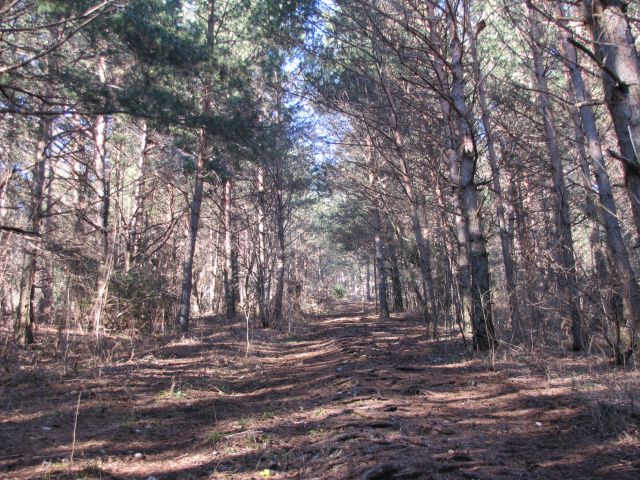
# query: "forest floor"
342, 396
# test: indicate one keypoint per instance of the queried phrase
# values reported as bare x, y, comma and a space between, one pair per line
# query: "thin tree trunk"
379, 266
262, 250
618, 57
507, 256
227, 274
137, 206
278, 298
608, 212
407, 185
368, 284
464, 181
184, 310
563, 240
396, 281
26, 314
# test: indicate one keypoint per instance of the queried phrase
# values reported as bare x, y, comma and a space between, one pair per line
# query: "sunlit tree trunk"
563, 241
408, 187
184, 310
619, 61
192, 236
463, 179
137, 204
262, 249
228, 271
507, 254
376, 224
608, 211
26, 312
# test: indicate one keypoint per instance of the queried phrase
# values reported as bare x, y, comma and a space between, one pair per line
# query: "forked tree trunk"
463, 179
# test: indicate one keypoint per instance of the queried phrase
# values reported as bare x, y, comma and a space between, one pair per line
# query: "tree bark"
262, 249
464, 181
396, 281
228, 271
618, 57
507, 255
376, 225
608, 211
563, 252
184, 310
192, 236
26, 312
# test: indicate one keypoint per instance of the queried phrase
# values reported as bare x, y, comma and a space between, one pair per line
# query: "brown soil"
344, 396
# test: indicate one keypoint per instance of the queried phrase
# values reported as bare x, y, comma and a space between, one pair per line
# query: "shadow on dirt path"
345, 396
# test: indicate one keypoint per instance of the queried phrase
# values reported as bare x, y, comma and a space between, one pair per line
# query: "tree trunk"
368, 284
507, 255
26, 314
192, 236
262, 250
103, 191
137, 206
563, 241
278, 298
227, 274
463, 179
608, 211
407, 185
184, 310
618, 57
396, 281
376, 224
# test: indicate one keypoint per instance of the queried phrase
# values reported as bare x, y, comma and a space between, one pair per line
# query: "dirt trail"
346, 396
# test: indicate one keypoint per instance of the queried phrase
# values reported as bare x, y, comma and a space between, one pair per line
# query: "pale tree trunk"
396, 281
192, 236
227, 273
26, 314
376, 224
137, 206
213, 265
103, 193
407, 185
482, 314
507, 254
368, 285
563, 241
278, 298
184, 310
618, 58
608, 212
46, 278
463, 301
262, 249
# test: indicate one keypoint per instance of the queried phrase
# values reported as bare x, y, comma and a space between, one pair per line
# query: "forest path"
344, 396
